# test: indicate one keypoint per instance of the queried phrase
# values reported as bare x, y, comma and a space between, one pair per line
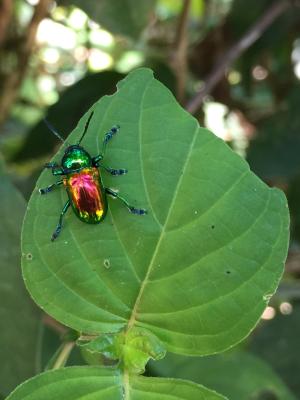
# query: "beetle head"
75, 158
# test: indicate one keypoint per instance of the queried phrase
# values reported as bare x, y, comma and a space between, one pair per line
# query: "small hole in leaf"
29, 256
106, 263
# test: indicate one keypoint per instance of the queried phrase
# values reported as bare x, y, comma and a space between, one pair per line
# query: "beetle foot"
137, 211
111, 133
55, 234
120, 171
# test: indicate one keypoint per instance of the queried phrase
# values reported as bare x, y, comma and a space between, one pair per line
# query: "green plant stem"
126, 386
64, 355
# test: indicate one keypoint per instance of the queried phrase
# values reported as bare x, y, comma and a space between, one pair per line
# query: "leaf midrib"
111, 103
132, 318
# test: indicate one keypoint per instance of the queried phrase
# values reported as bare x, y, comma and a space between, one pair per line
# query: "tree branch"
179, 56
12, 82
253, 34
54, 325
5, 16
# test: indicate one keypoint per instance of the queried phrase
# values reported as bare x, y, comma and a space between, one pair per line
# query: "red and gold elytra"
86, 194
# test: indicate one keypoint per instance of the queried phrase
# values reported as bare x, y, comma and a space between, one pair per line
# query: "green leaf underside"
236, 374
20, 318
96, 383
198, 270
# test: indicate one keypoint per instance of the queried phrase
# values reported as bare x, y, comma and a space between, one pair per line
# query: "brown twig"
12, 82
179, 56
5, 16
253, 34
54, 325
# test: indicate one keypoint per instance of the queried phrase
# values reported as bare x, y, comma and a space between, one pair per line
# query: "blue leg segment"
133, 210
59, 225
50, 187
96, 160
56, 169
51, 165
113, 171
108, 136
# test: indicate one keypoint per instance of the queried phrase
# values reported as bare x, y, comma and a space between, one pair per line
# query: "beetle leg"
96, 160
50, 187
59, 225
133, 210
113, 171
51, 165
108, 136
56, 169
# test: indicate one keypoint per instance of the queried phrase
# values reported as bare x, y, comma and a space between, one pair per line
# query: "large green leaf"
237, 374
96, 383
20, 321
198, 270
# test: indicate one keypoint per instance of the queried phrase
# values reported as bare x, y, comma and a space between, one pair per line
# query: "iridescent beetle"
82, 180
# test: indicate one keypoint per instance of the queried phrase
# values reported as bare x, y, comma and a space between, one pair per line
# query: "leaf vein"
132, 319
222, 296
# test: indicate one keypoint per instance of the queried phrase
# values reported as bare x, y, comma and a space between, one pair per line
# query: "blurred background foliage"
58, 58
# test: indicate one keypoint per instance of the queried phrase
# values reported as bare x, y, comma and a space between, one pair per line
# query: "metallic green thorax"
76, 158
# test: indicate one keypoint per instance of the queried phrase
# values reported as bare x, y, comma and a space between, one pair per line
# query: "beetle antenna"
53, 130
86, 127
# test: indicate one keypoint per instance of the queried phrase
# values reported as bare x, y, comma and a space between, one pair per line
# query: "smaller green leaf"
138, 347
104, 344
96, 383
95, 358
133, 348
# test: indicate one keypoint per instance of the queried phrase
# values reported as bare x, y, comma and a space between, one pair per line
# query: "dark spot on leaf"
212, 227
29, 256
228, 272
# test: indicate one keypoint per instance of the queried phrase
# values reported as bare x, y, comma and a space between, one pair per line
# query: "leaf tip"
138, 73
